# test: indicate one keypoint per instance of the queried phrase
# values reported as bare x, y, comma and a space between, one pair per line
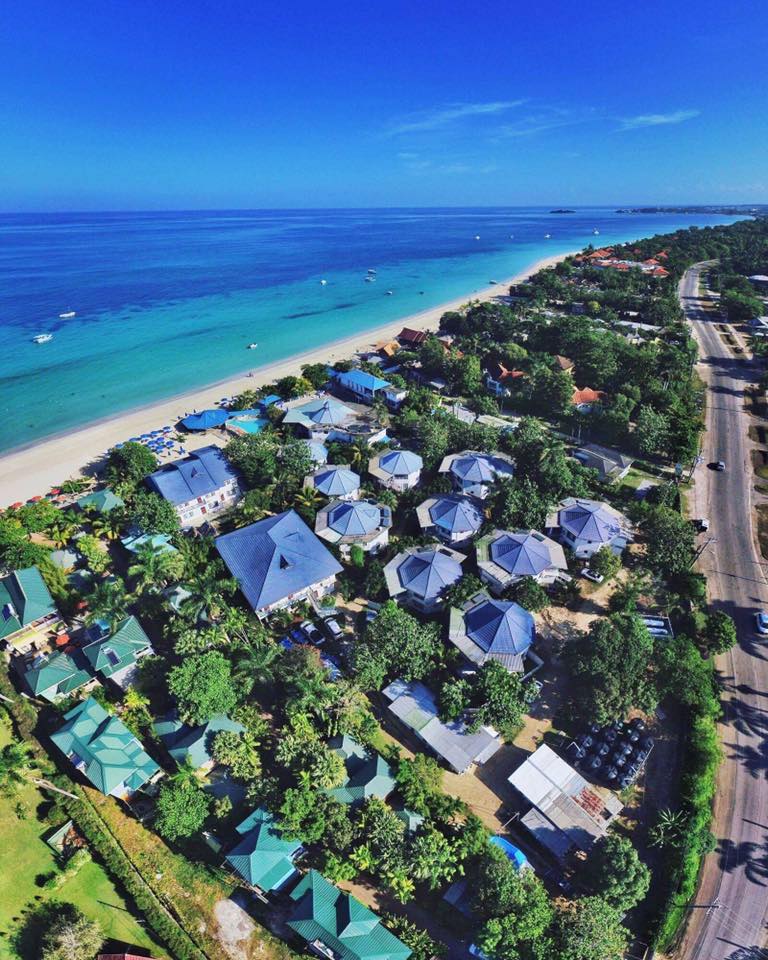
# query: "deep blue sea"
166, 302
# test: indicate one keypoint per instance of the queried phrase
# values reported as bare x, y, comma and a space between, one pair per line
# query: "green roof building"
57, 675
102, 501
194, 744
104, 750
262, 857
115, 655
368, 774
336, 925
24, 603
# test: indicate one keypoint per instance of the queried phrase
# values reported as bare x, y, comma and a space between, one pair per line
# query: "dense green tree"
418, 941
382, 831
152, 514
611, 667
651, 432
590, 929
202, 686
499, 697
719, 633
615, 872
455, 697
530, 594
396, 644
291, 387
458, 594
255, 457
39, 516
70, 935
153, 568
108, 601
130, 463
432, 858
181, 810
605, 563
15, 763
517, 504
525, 924
670, 541
315, 373
419, 781
239, 752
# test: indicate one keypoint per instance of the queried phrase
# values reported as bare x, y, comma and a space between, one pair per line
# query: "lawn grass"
24, 856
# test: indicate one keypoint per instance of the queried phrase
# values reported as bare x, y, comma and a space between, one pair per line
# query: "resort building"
415, 707
452, 519
366, 388
326, 419
115, 655
339, 483
54, 676
419, 577
584, 526
396, 469
200, 486
194, 745
27, 610
484, 629
609, 464
566, 813
367, 774
262, 857
474, 473
586, 399
499, 379
336, 926
360, 522
412, 338
100, 501
318, 452
504, 558
278, 562
104, 750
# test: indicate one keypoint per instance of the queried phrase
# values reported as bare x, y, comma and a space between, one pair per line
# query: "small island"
563, 210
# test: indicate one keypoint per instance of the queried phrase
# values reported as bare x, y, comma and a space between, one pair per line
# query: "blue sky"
146, 105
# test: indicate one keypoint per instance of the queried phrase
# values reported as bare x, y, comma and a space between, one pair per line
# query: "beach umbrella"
205, 420
169, 443
15, 506
119, 445
134, 439
35, 499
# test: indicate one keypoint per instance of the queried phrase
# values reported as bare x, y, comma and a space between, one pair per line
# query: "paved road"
736, 875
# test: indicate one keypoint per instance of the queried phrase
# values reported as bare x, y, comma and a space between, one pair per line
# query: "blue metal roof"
480, 468
317, 451
456, 514
428, 573
520, 554
499, 627
589, 520
275, 558
354, 519
202, 472
336, 482
205, 419
400, 463
362, 379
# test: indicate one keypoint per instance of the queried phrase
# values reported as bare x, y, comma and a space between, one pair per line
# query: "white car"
332, 628
591, 575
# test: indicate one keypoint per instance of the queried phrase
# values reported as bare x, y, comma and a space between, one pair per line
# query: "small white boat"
67, 315
389, 293
252, 346
42, 338
595, 232
477, 236
547, 236
370, 278
511, 236
323, 283
371, 270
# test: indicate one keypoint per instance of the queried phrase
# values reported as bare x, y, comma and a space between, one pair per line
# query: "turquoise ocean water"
166, 302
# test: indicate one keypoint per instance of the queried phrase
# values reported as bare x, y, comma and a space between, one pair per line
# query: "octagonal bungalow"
474, 473
505, 557
360, 522
396, 469
419, 577
339, 483
587, 525
451, 519
485, 629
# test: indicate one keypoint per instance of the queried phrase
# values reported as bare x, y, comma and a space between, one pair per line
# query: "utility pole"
701, 549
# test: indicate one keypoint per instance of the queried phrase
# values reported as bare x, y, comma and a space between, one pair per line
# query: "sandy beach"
35, 469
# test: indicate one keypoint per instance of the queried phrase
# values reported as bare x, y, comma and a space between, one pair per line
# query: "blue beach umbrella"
135, 440
205, 419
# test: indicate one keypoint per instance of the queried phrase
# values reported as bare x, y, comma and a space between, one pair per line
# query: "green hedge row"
167, 929
702, 758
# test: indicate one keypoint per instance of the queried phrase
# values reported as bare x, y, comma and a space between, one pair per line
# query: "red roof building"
413, 337
586, 396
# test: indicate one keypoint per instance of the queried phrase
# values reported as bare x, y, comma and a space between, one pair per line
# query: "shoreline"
34, 468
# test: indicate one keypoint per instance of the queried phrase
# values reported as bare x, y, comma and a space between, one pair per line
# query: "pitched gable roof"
275, 558
202, 472
119, 649
102, 748
101, 500
24, 598
368, 774
57, 675
586, 395
262, 856
193, 743
342, 923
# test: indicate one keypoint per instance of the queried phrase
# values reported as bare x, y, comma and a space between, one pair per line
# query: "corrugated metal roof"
456, 514
202, 472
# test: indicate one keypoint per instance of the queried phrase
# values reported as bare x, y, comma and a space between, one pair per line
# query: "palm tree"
61, 533
108, 601
185, 774
109, 526
15, 763
206, 595
255, 664
360, 454
75, 485
153, 568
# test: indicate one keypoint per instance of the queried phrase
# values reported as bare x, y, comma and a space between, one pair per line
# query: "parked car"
312, 633
720, 466
591, 575
332, 628
761, 622
703, 524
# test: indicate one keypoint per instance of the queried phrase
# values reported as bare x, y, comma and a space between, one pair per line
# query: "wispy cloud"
416, 163
657, 119
544, 119
447, 115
